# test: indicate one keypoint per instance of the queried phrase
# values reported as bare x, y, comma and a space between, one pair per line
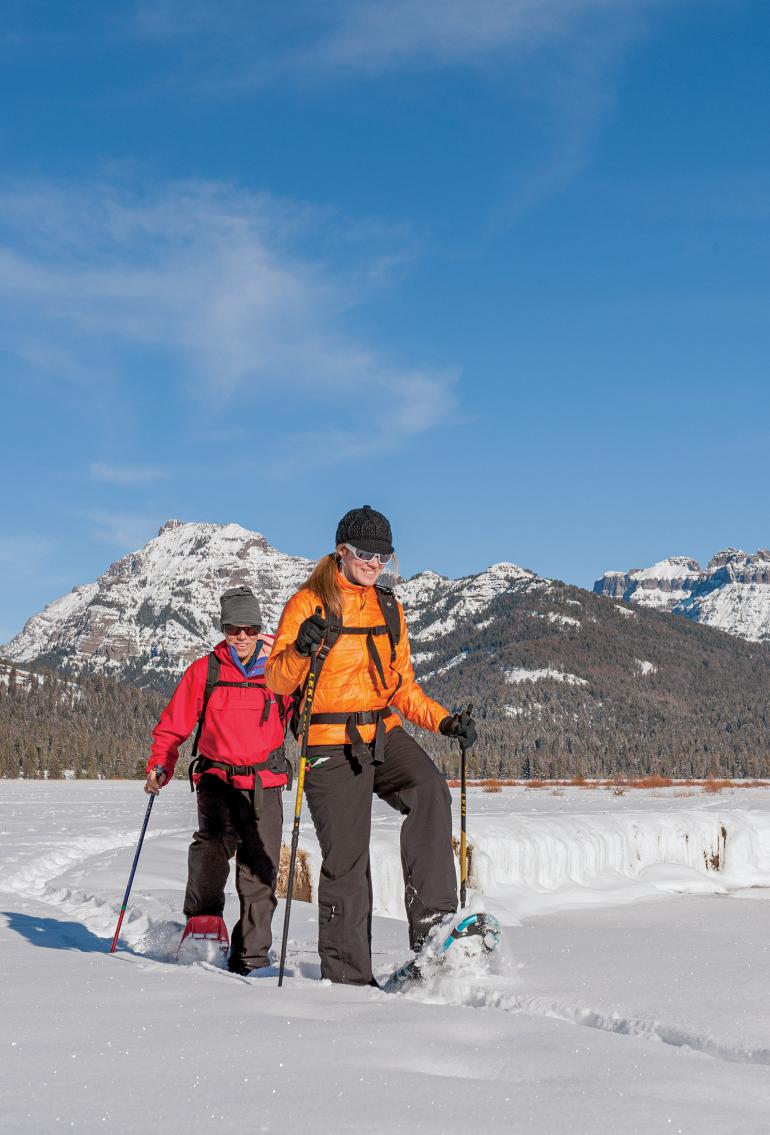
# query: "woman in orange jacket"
357, 747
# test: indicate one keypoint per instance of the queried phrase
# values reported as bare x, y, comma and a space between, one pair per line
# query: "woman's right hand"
312, 632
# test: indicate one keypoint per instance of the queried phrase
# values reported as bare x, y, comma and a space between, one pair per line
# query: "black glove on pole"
311, 633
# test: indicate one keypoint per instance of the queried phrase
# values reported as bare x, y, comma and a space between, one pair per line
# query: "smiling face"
362, 572
242, 642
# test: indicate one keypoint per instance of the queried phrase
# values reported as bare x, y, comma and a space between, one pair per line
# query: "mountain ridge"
732, 593
564, 681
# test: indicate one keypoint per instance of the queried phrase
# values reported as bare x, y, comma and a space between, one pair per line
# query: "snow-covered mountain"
563, 681
731, 593
155, 610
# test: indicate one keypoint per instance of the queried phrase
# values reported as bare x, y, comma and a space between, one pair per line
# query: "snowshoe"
478, 925
475, 926
205, 938
408, 974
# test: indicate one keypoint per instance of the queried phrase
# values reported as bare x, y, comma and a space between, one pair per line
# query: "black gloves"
460, 727
311, 632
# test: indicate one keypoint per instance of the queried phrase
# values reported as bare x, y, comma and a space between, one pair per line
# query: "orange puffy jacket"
349, 682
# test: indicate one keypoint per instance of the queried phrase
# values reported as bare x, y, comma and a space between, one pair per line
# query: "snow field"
630, 993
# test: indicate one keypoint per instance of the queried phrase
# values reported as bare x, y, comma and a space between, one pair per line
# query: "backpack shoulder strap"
389, 606
212, 679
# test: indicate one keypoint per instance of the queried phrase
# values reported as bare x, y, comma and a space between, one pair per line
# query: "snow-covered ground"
631, 994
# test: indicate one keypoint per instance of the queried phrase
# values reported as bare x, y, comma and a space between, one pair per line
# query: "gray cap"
240, 607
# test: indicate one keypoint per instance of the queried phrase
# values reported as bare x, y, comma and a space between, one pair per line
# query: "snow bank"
527, 863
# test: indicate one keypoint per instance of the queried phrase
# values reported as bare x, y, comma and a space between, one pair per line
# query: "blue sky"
499, 269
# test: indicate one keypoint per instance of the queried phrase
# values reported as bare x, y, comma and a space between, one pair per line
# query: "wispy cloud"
219, 281
126, 474
379, 35
559, 56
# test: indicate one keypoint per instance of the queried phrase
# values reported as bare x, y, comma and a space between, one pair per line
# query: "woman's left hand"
460, 727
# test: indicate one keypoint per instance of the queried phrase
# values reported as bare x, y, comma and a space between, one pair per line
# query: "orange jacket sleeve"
286, 668
411, 699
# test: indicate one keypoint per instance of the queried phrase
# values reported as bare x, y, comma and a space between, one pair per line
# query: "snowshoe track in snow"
36, 880
485, 993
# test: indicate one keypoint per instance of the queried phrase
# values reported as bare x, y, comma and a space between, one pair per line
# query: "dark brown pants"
339, 791
227, 826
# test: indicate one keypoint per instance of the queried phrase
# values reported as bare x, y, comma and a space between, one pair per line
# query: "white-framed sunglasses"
381, 557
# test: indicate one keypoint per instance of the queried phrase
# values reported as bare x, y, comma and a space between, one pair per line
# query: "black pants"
227, 826
339, 790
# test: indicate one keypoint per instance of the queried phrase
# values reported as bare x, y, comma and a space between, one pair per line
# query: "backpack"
392, 628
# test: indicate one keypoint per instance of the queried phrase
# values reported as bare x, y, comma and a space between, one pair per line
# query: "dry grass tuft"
492, 786
535, 783
714, 785
302, 889
651, 782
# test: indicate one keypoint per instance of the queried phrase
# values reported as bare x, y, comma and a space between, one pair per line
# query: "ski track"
155, 942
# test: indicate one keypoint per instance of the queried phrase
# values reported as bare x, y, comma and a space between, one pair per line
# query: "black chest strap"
276, 762
392, 628
213, 682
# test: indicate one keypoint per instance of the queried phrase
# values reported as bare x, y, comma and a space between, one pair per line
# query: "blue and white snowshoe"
477, 925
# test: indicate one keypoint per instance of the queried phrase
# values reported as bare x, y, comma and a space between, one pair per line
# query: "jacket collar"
255, 666
351, 588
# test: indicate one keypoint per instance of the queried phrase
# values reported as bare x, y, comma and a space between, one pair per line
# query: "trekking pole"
309, 695
463, 811
131, 876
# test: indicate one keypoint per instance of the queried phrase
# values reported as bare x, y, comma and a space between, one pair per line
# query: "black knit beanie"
365, 529
240, 607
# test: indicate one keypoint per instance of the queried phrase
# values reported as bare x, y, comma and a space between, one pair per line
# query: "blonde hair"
324, 582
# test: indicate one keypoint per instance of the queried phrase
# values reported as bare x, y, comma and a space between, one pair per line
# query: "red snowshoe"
204, 928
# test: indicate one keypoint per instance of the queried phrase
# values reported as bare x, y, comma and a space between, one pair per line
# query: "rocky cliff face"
155, 610
732, 593
660, 586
